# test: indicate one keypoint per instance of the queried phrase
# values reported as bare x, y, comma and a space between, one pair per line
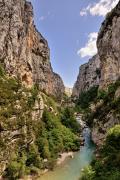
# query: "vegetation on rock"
28, 144
86, 98
69, 120
107, 166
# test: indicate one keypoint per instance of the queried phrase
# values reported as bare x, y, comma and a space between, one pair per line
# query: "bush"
53, 137
102, 94
87, 97
33, 140
33, 97
2, 73
69, 120
107, 167
33, 158
14, 170
113, 137
88, 174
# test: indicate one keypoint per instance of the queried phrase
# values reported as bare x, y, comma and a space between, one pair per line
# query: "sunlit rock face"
89, 75
108, 44
107, 66
23, 50
68, 91
25, 54
107, 59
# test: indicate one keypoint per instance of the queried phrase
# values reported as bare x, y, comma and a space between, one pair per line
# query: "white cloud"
90, 48
83, 12
99, 9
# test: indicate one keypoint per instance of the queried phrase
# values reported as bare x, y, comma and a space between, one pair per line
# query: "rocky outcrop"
58, 88
103, 70
108, 44
100, 128
89, 75
25, 55
23, 50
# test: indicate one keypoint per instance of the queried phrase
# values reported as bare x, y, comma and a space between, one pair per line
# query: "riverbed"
71, 168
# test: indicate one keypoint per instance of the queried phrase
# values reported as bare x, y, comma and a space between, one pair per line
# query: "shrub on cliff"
87, 97
2, 72
31, 140
13, 170
87, 174
106, 103
69, 120
53, 137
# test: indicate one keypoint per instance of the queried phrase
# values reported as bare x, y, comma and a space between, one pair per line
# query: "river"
71, 169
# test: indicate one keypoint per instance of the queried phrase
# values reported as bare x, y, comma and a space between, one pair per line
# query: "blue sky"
70, 27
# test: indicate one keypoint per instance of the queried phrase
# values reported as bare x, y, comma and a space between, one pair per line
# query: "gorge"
38, 113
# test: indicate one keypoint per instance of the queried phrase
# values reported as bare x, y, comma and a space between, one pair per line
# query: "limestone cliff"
105, 113
89, 75
108, 44
23, 50
25, 56
58, 88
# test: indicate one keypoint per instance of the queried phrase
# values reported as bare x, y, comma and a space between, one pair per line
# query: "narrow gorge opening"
50, 129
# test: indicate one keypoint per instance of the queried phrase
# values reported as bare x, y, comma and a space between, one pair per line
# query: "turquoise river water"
71, 169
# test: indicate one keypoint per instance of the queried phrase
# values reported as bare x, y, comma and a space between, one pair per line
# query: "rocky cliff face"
25, 56
58, 88
23, 50
100, 129
109, 47
107, 66
108, 44
89, 75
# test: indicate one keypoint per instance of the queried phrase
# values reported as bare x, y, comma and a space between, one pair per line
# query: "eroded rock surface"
108, 44
89, 75
23, 50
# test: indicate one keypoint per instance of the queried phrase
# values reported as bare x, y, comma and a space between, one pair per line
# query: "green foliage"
33, 97
107, 167
69, 120
88, 173
33, 157
53, 137
102, 94
13, 171
2, 73
109, 103
50, 102
108, 95
87, 97
113, 137
32, 141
